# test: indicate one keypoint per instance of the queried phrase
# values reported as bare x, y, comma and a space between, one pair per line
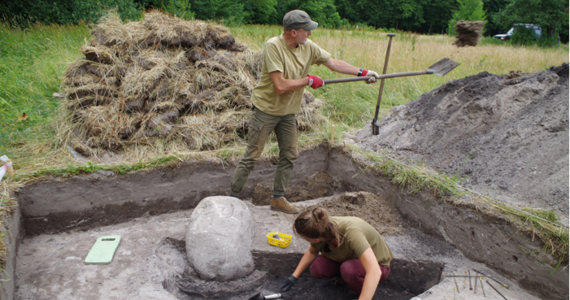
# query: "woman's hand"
288, 283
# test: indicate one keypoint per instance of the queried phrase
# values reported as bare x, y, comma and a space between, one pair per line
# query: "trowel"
259, 296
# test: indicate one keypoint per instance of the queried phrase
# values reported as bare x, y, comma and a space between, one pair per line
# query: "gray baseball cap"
297, 19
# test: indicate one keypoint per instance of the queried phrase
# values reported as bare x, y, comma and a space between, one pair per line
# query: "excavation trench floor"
505, 136
51, 266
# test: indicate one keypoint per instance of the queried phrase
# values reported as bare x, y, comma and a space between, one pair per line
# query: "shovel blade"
375, 128
442, 67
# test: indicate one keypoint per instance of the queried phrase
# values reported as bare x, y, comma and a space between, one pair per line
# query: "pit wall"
12, 226
56, 205
480, 237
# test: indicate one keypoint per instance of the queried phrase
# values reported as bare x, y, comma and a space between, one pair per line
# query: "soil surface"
505, 135
150, 263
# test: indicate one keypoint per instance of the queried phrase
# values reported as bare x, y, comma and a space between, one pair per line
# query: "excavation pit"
61, 219
273, 267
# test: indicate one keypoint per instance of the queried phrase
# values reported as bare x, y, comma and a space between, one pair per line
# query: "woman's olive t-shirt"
358, 236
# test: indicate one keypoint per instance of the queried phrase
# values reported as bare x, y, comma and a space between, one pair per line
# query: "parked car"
506, 36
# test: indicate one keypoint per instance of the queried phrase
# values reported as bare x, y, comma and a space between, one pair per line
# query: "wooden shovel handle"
393, 75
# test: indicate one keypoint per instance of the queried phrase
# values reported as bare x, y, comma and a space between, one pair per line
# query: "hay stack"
163, 78
468, 32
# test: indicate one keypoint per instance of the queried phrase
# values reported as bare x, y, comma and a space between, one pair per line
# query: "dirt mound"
314, 186
372, 208
163, 78
507, 135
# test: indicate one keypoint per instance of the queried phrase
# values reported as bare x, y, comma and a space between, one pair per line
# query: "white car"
506, 36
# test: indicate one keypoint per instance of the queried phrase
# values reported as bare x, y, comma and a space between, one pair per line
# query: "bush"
468, 10
179, 8
548, 41
23, 13
523, 36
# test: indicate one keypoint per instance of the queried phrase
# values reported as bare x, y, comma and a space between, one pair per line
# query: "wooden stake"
480, 279
456, 288
487, 281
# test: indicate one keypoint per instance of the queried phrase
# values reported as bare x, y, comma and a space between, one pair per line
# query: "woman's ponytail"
315, 223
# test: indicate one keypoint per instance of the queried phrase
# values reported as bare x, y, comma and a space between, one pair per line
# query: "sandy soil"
505, 135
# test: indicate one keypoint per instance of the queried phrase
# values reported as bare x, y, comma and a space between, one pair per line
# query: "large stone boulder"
219, 239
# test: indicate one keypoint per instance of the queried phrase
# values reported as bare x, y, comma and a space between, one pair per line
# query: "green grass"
32, 62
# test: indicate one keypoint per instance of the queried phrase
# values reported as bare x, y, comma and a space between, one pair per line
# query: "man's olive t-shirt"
358, 236
294, 63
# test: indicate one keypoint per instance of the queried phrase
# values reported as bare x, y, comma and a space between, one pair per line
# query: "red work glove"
369, 73
315, 81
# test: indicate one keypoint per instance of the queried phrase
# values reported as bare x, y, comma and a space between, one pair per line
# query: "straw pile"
163, 78
468, 33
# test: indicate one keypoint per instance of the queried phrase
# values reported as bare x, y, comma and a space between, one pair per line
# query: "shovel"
375, 127
440, 68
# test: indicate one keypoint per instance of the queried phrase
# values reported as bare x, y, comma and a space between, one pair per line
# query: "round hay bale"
468, 32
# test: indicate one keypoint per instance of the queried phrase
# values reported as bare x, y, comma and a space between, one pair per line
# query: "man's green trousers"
260, 127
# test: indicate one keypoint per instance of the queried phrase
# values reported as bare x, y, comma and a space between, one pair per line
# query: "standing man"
277, 98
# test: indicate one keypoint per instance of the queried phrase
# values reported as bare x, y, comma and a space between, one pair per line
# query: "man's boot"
281, 204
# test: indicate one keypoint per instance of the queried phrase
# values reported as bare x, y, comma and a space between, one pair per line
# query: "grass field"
33, 60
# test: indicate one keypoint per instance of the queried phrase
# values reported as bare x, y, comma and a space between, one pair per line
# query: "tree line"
420, 16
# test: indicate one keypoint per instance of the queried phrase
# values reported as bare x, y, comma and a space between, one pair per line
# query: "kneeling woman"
349, 246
